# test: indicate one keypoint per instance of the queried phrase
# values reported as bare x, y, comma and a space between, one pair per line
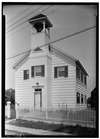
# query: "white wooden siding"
24, 91
49, 87
63, 89
57, 92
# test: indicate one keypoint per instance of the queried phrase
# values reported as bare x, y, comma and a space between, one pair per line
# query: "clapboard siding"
49, 87
24, 91
63, 89
56, 92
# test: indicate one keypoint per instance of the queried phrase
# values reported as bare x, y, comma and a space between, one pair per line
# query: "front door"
38, 99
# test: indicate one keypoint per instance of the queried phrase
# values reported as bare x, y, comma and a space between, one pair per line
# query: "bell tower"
41, 35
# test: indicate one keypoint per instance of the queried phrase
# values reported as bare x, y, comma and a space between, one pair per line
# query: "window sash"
78, 72
82, 98
61, 71
81, 75
85, 82
26, 74
78, 98
37, 70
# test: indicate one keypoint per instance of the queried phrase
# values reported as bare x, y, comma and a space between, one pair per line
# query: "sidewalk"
33, 131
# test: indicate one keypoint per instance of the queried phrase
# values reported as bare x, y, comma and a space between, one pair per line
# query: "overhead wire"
23, 17
70, 35
20, 13
27, 19
57, 40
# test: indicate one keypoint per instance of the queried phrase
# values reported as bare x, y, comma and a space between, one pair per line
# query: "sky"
66, 19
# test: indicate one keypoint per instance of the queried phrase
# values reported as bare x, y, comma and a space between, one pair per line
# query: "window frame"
82, 99
26, 75
58, 73
85, 80
81, 76
34, 72
78, 98
78, 73
85, 99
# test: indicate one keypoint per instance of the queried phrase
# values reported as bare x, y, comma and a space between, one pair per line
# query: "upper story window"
37, 70
26, 74
61, 71
81, 75
85, 82
78, 73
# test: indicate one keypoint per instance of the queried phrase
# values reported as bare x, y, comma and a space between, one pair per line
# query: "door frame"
40, 93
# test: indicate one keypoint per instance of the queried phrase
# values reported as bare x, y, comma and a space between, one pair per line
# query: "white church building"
47, 78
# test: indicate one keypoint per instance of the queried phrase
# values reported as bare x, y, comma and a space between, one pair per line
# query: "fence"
85, 117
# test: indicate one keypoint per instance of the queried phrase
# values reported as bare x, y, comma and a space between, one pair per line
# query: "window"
78, 72
78, 98
82, 98
37, 70
26, 74
85, 82
82, 76
61, 71
32, 71
85, 99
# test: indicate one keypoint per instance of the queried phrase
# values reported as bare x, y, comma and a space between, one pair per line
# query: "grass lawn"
74, 130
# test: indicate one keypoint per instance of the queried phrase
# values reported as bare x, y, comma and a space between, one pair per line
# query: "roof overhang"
40, 18
80, 65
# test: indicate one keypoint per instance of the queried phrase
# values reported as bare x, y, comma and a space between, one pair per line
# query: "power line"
9, 20
27, 19
62, 38
19, 54
23, 21
70, 35
23, 17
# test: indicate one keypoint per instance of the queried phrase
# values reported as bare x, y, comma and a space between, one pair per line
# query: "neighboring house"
46, 78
